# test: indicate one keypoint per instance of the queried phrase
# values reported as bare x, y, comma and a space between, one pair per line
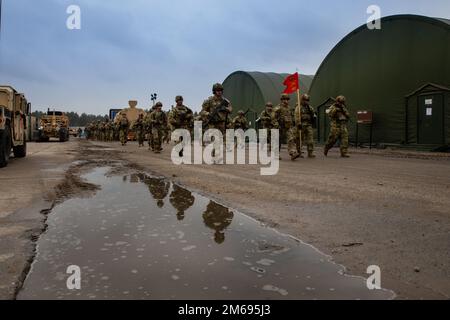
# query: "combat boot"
345, 155
295, 156
311, 155
325, 151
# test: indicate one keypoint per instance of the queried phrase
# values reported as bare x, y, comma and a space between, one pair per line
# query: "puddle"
142, 237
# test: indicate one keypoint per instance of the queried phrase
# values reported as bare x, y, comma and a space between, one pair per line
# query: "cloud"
132, 49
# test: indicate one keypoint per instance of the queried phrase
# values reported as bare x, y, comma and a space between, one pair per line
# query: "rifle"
182, 116
342, 116
124, 124
214, 116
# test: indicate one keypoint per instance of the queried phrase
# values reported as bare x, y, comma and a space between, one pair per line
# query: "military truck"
54, 125
14, 110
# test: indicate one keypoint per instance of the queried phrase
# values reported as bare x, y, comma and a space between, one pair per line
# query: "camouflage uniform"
181, 117
168, 128
108, 131
139, 129
158, 121
240, 121
305, 126
117, 132
148, 130
284, 121
95, 130
88, 131
111, 131
101, 131
123, 130
266, 119
220, 122
339, 117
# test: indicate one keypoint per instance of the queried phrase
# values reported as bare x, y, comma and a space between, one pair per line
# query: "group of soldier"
102, 130
295, 125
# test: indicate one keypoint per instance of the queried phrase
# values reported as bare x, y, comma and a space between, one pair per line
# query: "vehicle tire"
21, 151
62, 136
5, 146
42, 137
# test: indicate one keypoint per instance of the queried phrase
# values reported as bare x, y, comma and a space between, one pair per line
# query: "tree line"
75, 119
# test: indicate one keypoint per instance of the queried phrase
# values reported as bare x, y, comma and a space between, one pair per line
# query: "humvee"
54, 125
14, 110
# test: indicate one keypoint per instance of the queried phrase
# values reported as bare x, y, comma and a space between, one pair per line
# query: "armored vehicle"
54, 125
14, 110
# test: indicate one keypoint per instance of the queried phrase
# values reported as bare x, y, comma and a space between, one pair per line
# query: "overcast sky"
130, 49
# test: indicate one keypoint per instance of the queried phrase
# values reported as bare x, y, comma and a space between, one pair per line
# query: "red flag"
291, 83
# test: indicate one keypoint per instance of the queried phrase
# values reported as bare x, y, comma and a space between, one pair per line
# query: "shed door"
431, 119
251, 118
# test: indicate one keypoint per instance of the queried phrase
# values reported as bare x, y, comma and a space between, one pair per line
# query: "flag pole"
299, 121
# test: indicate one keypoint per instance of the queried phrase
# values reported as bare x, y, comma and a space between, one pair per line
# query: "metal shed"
401, 73
249, 91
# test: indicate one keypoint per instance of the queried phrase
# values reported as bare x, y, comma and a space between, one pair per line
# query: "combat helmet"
178, 98
341, 99
285, 96
305, 97
217, 87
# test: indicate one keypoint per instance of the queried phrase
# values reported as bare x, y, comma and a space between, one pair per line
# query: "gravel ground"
386, 208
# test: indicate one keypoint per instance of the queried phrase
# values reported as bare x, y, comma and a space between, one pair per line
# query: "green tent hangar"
250, 91
401, 73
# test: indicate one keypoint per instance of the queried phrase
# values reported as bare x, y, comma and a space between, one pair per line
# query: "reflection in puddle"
218, 218
181, 199
175, 244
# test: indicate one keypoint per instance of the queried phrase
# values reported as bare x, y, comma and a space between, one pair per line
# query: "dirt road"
25, 186
386, 209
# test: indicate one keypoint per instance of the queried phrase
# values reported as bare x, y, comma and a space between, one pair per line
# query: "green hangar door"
431, 119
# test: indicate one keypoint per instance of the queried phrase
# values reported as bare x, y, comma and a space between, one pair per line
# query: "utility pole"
154, 96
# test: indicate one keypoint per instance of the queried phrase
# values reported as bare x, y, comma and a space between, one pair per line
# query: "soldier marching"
296, 125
